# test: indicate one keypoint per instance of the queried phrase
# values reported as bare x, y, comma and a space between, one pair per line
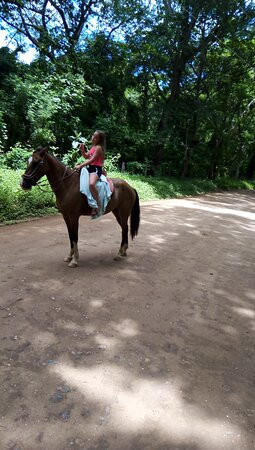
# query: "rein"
31, 175
42, 183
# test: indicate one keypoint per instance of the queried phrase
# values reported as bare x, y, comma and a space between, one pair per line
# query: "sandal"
94, 212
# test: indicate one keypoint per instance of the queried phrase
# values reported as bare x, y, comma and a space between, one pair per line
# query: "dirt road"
154, 352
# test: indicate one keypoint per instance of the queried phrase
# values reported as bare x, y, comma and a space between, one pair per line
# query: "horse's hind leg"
73, 255
123, 222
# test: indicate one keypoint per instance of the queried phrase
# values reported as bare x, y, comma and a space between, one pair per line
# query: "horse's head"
35, 169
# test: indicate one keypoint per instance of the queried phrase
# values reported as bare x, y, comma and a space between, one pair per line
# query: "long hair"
102, 139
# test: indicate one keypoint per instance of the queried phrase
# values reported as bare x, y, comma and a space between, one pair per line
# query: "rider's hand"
83, 148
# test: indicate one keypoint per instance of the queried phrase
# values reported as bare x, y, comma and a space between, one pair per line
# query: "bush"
16, 204
72, 157
111, 162
141, 168
15, 158
229, 184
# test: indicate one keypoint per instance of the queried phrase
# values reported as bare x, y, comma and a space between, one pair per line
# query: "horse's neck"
57, 173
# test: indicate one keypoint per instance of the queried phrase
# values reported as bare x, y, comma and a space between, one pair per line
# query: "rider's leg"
92, 186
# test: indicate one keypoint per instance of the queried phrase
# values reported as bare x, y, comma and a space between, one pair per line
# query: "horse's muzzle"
26, 185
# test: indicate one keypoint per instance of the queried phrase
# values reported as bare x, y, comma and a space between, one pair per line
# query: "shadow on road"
152, 352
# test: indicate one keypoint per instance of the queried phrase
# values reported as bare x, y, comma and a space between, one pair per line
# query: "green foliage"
53, 105
135, 167
72, 157
179, 93
111, 162
151, 188
3, 133
16, 204
228, 184
16, 158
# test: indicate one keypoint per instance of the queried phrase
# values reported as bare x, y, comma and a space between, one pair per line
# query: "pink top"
100, 159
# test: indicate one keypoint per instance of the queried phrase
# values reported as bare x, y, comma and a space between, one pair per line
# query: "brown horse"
65, 183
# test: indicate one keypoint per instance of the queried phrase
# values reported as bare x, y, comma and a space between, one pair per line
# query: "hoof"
68, 258
72, 264
117, 258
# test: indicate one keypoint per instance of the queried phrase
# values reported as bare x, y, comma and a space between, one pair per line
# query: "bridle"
31, 175
42, 183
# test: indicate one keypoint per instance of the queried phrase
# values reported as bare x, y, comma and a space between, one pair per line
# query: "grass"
17, 205
152, 188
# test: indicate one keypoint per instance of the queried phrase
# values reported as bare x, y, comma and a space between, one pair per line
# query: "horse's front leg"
73, 255
69, 257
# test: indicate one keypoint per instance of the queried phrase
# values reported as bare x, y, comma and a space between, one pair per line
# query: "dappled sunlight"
231, 298
149, 222
96, 304
171, 233
228, 329
250, 295
152, 352
139, 405
247, 228
126, 328
130, 274
44, 339
106, 342
240, 309
189, 225
245, 312
215, 209
53, 285
195, 232
73, 326
156, 239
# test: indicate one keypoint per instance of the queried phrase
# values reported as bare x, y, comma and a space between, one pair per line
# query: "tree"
53, 27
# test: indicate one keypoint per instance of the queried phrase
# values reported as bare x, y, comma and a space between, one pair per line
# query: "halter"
31, 175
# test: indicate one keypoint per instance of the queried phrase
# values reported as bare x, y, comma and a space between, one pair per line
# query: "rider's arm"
98, 152
86, 155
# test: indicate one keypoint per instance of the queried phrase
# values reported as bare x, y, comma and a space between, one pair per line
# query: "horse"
65, 183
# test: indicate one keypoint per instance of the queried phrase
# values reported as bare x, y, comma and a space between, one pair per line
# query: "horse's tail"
135, 217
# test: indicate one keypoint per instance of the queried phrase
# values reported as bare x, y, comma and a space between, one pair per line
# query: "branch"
20, 30
109, 35
62, 15
44, 15
84, 15
158, 88
27, 32
168, 7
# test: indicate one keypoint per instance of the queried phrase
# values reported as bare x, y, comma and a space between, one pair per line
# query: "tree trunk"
216, 145
251, 168
183, 54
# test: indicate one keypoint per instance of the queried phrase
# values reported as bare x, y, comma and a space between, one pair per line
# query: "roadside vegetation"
171, 84
18, 205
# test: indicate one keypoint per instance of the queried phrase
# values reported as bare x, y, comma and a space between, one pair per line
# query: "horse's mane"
54, 157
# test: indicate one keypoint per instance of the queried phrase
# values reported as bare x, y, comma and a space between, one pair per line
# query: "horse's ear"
42, 151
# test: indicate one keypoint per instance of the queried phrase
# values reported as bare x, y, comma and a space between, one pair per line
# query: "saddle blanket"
104, 191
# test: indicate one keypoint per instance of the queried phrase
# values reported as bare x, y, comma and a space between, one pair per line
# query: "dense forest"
171, 82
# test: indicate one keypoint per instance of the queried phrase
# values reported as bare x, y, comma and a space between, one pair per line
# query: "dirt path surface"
155, 351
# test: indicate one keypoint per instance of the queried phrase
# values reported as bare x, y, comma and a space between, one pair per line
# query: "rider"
94, 163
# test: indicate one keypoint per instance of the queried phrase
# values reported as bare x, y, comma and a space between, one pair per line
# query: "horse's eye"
30, 160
